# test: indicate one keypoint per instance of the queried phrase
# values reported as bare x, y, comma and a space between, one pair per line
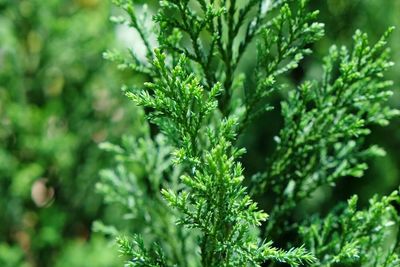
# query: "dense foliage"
252, 123
201, 101
55, 105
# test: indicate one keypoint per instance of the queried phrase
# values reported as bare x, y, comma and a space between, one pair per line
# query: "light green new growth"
357, 237
183, 188
325, 123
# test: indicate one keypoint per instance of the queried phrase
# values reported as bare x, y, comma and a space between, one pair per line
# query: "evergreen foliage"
54, 108
208, 78
325, 123
184, 188
356, 237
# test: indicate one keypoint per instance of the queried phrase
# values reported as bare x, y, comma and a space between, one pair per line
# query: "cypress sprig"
201, 101
282, 45
325, 122
357, 236
179, 105
135, 249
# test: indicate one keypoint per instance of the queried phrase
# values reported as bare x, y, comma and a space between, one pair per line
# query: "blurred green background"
59, 99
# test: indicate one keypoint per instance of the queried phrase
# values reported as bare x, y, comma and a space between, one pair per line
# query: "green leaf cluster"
351, 236
202, 100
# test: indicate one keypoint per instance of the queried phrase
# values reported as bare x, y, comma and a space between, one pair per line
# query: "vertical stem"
228, 59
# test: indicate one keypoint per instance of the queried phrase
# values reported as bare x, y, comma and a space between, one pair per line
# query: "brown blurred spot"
54, 82
99, 136
23, 239
87, 3
118, 115
29, 220
103, 102
41, 193
35, 42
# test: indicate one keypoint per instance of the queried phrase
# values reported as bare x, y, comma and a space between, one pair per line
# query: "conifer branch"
324, 123
200, 107
356, 237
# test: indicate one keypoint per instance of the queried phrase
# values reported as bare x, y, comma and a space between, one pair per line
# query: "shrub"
183, 185
55, 104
